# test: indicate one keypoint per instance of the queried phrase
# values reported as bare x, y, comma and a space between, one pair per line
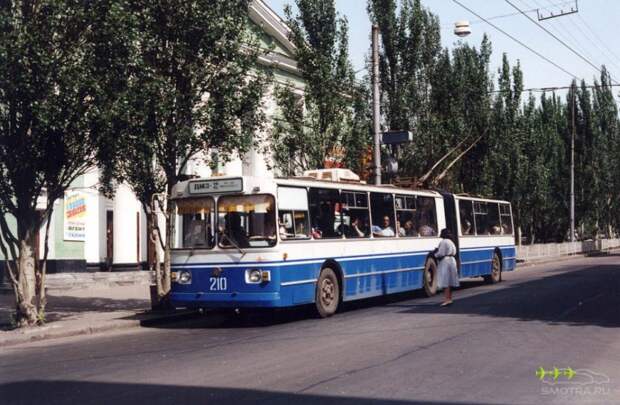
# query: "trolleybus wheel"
496, 270
430, 277
327, 295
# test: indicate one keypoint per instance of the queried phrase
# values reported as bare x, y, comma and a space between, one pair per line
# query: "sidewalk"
86, 311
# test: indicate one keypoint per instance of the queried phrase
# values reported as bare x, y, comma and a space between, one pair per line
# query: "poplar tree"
330, 119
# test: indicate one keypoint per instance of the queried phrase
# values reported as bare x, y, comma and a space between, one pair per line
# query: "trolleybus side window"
293, 217
355, 215
481, 218
406, 215
246, 221
196, 222
325, 213
382, 208
493, 219
426, 216
506, 219
466, 215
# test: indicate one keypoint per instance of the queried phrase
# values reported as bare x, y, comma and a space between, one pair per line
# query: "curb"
56, 331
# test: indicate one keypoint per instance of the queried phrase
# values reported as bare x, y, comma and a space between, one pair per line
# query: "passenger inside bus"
407, 229
385, 230
425, 229
355, 230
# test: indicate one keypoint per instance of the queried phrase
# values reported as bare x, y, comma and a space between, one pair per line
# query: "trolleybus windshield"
246, 221
196, 217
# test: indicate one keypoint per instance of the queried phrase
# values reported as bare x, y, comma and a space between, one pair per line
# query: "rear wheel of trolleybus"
327, 295
430, 277
496, 270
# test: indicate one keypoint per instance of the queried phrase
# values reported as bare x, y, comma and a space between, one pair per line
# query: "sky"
591, 32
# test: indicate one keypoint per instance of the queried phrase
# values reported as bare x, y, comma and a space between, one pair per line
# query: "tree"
57, 87
330, 120
193, 90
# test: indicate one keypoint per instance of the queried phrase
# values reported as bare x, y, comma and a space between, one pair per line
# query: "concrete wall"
550, 250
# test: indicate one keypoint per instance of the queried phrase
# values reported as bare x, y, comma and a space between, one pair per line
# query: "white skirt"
447, 273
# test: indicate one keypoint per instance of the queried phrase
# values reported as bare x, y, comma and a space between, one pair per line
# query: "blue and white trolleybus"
264, 242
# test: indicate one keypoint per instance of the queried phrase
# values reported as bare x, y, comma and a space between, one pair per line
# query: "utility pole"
376, 114
572, 171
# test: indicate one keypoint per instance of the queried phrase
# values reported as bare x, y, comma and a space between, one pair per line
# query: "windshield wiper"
232, 241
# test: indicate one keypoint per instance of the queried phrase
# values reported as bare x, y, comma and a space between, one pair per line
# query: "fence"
543, 251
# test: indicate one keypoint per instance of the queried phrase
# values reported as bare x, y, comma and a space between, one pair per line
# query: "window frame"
413, 197
309, 222
217, 220
436, 223
179, 232
339, 201
368, 211
393, 216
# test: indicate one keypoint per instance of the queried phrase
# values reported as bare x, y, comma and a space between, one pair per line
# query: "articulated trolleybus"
248, 242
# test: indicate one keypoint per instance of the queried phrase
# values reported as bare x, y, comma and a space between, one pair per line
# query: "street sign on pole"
396, 137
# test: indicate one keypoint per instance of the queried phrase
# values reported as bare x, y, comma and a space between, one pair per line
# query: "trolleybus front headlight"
184, 277
253, 276
256, 276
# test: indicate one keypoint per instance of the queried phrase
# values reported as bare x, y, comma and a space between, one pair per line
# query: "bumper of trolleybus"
226, 300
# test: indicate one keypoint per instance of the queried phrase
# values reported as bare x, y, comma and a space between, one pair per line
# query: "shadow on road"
586, 296
78, 392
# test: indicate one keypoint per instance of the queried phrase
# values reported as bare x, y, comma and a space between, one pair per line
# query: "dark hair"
445, 234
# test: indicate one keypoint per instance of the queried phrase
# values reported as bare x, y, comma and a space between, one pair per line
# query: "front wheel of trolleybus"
327, 296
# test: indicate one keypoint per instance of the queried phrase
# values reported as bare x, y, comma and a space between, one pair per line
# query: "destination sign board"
216, 186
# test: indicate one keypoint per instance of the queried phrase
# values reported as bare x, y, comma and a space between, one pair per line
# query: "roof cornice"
271, 22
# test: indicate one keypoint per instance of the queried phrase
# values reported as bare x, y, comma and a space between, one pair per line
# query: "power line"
516, 40
610, 52
557, 39
562, 31
554, 88
495, 17
568, 33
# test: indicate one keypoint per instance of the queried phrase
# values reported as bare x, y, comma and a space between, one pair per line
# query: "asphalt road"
486, 348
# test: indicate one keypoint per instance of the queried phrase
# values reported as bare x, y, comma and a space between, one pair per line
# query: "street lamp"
462, 28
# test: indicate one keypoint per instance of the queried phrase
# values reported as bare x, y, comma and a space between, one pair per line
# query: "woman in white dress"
447, 272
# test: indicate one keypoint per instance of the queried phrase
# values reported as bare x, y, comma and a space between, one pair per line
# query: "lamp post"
376, 114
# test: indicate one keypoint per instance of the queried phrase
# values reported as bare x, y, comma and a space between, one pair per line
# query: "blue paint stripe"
321, 259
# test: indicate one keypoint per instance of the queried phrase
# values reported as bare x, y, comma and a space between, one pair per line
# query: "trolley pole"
572, 171
375, 104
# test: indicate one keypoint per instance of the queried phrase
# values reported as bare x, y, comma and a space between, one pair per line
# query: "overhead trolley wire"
557, 39
516, 40
610, 52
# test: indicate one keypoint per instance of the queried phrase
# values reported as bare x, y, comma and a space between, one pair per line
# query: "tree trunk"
170, 232
26, 309
154, 262
43, 270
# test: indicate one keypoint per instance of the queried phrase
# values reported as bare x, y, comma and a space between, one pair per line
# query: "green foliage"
192, 86
57, 88
517, 149
330, 120
191, 90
